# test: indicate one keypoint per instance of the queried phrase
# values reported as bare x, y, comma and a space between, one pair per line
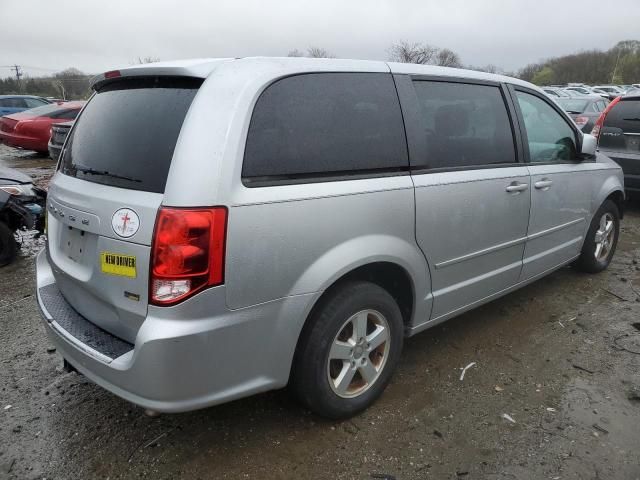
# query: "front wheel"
348, 353
602, 239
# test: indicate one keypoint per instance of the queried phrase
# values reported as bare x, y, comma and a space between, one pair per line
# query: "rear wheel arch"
390, 276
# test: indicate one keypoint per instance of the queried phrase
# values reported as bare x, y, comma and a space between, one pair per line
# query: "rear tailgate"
103, 202
620, 138
621, 129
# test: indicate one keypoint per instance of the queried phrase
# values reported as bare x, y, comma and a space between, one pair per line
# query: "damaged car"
21, 209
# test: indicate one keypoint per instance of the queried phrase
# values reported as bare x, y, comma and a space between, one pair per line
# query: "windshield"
126, 135
572, 106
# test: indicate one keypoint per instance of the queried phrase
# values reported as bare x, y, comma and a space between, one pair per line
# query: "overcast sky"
45, 36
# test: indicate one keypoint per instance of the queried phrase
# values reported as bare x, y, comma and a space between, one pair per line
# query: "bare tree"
406, 52
72, 82
448, 58
142, 60
317, 52
295, 53
490, 68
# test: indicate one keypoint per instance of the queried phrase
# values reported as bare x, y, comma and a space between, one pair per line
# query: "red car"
31, 129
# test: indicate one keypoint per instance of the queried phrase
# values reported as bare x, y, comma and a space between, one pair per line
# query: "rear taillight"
187, 253
597, 128
581, 121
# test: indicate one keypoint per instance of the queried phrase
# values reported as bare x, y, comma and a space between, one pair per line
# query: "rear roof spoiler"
200, 68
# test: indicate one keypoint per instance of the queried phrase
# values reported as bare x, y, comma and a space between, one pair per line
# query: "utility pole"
615, 69
18, 70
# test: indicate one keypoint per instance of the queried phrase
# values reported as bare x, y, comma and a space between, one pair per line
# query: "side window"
34, 102
465, 125
550, 137
325, 124
16, 103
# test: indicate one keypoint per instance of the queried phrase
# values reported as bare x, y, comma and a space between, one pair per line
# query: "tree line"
70, 84
618, 65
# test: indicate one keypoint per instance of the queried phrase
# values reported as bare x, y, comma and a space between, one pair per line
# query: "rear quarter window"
126, 135
325, 125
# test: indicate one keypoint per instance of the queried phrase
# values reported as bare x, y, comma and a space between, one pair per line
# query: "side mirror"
589, 145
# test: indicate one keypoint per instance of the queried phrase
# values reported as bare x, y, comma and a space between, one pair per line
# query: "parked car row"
584, 110
577, 90
32, 129
17, 103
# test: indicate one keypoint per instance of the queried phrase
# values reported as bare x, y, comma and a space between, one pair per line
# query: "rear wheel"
346, 357
602, 239
8, 245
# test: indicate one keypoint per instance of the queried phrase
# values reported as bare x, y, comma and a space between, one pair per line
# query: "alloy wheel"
358, 353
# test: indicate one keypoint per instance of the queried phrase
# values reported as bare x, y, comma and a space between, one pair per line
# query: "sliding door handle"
543, 184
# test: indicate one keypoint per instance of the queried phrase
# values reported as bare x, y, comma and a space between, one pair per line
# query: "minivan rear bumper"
184, 357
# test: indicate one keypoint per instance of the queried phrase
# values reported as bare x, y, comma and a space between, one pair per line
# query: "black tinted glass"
464, 125
67, 114
126, 135
625, 115
323, 124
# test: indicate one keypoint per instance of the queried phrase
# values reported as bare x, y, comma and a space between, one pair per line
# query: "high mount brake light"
188, 253
112, 74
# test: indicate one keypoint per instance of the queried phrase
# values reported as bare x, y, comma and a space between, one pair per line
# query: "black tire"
8, 245
311, 369
587, 262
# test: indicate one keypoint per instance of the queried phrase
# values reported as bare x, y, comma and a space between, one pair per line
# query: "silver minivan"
218, 228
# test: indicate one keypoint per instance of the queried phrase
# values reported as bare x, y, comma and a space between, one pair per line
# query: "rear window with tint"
50, 110
323, 125
464, 125
126, 135
625, 115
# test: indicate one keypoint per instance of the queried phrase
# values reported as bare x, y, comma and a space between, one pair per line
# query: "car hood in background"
10, 176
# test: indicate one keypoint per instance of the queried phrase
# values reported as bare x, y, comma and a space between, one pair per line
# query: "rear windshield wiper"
634, 119
92, 171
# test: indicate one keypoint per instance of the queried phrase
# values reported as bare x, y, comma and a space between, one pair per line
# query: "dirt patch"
550, 396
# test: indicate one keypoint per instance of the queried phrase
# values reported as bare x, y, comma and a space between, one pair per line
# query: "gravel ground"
554, 394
